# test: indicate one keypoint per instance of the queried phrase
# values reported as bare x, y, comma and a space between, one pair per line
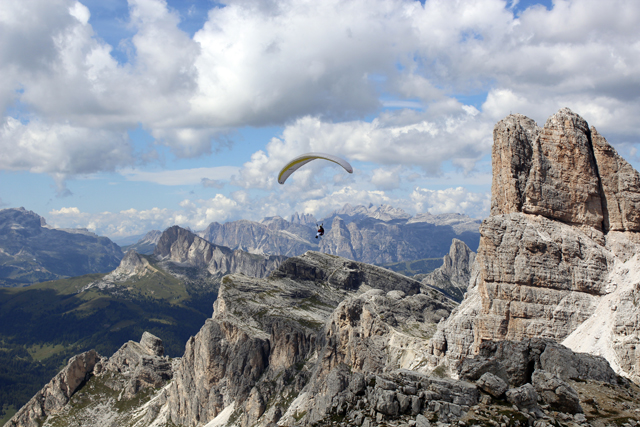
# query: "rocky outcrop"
277, 337
31, 251
96, 391
180, 246
324, 340
556, 256
141, 365
453, 277
133, 266
55, 395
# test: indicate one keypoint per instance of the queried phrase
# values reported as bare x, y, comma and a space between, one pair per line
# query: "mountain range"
546, 333
31, 251
170, 293
375, 235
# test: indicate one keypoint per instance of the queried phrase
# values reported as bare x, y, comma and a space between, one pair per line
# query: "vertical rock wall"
563, 226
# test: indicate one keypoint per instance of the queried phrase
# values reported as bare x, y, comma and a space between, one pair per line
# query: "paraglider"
302, 160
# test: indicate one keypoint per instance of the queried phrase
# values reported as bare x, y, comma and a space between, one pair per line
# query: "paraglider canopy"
302, 160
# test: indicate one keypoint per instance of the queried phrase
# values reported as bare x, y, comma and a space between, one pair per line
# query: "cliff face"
561, 234
385, 235
267, 337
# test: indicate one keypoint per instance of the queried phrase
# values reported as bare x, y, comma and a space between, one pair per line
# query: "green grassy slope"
42, 325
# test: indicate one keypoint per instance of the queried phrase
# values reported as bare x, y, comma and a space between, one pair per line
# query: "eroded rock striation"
558, 251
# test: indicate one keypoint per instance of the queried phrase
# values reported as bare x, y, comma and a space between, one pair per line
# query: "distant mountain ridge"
146, 244
371, 234
31, 251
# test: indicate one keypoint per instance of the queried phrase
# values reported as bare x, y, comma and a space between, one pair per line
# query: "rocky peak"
454, 275
303, 219
56, 394
20, 219
152, 344
557, 257
564, 171
180, 246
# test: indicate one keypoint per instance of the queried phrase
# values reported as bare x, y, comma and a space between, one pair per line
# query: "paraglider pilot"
320, 231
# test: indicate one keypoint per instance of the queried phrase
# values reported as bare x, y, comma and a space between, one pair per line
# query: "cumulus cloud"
398, 138
386, 179
380, 82
458, 200
196, 215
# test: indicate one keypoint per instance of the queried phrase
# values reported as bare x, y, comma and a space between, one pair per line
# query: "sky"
125, 116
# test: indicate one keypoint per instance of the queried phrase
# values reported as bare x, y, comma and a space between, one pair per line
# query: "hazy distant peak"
303, 219
20, 217
151, 237
382, 212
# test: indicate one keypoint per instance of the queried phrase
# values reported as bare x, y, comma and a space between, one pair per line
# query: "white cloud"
386, 179
396, 138
458, 200
61, 150
318, 69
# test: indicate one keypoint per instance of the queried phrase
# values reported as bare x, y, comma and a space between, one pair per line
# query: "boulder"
557, 393
492, 384
524, 397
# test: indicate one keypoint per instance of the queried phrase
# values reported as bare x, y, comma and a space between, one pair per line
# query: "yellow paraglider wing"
302, 160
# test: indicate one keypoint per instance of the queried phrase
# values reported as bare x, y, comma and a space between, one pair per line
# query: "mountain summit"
558, 257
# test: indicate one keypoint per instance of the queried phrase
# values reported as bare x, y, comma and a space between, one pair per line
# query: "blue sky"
125, 116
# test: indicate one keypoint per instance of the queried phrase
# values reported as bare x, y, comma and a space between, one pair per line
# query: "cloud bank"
409, 91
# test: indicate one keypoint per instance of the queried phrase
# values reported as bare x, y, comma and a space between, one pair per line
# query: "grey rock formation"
557, 255
31, 251
515, 362
132, 266
140, 365
385, 235
492, 384
55, 395
180, 246
103, 388
273, 236
268, 337
524, 397
555, 392
454, 275
324, 338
